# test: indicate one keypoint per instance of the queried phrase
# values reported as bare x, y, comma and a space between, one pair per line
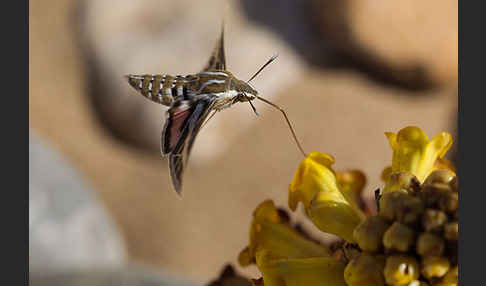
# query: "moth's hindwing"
176, 119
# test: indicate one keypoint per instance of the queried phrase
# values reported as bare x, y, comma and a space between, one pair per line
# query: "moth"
192, 101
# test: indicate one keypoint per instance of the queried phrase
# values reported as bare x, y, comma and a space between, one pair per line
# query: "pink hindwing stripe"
178, 118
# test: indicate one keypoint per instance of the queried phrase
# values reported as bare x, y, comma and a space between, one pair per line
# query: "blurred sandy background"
347, 72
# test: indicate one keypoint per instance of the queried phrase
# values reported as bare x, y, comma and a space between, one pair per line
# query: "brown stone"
412, 42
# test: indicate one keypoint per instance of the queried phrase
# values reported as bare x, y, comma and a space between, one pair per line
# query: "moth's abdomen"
163, 89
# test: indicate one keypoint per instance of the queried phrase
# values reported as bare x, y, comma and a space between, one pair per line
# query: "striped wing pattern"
180, 149
217, 61
190, 98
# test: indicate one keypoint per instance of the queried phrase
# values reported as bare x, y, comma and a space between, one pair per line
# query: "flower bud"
433, 220
435, 194
364, 270
418, 283
402, 181
399, 205
434, 267
449, 203
398, 237
410, 211
429, 244
454, 185
444, 176
451, 231
389, 202
401, 270
369, 233
451, 278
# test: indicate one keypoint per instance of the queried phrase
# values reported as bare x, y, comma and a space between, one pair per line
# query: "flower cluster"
411, 240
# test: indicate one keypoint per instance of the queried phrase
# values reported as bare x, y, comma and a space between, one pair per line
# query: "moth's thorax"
214, 82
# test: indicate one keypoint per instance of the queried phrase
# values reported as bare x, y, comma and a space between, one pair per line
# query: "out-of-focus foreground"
347, 72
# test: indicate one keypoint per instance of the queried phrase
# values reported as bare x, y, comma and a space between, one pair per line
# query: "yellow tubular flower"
439, 164
316, 186
365, 270
269, 233
314, 173
314, 271
413, 152
385, 174
286, 258
351, 184
411, 240
335, 215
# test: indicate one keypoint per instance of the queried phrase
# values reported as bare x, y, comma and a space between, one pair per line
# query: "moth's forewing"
185, 120
217, 61
183, 131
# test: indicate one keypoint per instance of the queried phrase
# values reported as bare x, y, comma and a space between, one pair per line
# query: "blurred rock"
68, 227
414, 43
173, 37
123, 276
292, 20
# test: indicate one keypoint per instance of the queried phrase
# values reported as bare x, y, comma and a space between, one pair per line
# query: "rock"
128, 275
292, 21
173, 37
68, 227
412, 42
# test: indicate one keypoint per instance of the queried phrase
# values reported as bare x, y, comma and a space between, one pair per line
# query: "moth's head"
245, 91
246, 85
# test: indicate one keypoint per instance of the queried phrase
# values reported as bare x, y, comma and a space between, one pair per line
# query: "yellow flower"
312, 174
411, 240
352, 183
440, 163
414, 153
285, 257
330, 203
313, 271
268, 232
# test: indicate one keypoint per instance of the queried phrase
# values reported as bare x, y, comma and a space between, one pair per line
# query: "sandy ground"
339, 112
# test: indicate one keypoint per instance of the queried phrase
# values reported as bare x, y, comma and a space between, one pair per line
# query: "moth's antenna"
266, 64
252, 106
288, 122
